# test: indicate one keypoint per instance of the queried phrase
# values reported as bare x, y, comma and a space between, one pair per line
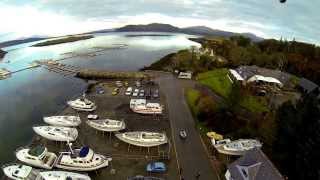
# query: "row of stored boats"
63, 129
140, 106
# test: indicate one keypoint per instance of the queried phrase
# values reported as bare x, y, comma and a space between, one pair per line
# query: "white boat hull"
47, 163
19, 172
83, 168
80, 108
63, 175
240, 150
102, 125
66, 121
146, 111
141, 143
70, 134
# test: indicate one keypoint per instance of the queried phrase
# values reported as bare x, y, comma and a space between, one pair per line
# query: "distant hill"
2, 53
194, 30
21, 41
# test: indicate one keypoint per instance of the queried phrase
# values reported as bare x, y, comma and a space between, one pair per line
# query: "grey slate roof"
307, 85
254, 165
248, 71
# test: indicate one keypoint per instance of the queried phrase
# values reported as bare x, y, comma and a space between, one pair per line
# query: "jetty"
69, 70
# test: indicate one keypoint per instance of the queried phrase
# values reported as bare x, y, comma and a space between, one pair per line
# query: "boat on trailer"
143, 138
55, 133
237, 147
107, 125
82, 104
83, 159
149, 108
67, 121
37, 156
23, 172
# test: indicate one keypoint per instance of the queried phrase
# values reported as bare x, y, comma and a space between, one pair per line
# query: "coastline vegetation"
63, 40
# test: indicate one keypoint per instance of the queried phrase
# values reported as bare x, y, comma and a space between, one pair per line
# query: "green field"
192, 96
217, 80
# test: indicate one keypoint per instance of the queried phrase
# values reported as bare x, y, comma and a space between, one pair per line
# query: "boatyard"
127, 160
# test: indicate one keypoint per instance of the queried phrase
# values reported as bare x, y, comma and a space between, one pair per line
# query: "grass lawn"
254, 104
192, 96
217, 80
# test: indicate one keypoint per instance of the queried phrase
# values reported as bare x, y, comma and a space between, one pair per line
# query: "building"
254, 165
250, 74
307, 86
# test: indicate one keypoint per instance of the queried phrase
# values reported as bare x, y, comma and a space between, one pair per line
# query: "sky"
297, 19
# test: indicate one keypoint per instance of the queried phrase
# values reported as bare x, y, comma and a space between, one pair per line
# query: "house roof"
254, 165
236, 75
308, 85
263, 78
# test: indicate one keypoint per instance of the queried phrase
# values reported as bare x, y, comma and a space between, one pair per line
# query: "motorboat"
67, 121
143, 138
23, 172
83, 159
149, 108
137, 102
63, 175
56, 133
37, 156
20, 172
237, 147
107, 125
82, 104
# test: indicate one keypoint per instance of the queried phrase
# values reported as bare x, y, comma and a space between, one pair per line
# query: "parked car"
115, 91
126, 84
92, 117
183, 134
135, 93
128, 91
156, 167
119, 84
141, 93
156, 93
138, 83
148, 94
100, 90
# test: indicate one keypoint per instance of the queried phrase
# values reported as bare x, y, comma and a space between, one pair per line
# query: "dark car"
156, 93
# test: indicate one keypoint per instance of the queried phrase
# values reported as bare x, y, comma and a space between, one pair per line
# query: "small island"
2, 53
63, 40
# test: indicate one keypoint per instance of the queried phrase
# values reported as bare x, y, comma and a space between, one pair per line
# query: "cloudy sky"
266, 18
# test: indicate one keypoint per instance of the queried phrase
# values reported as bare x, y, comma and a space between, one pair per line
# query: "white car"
135, 92
93, 116
138, 83
141, 93
128, 91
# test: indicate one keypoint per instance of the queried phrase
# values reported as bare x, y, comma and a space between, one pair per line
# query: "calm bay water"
29, 95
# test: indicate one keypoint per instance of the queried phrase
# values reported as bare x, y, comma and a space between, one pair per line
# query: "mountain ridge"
193, 30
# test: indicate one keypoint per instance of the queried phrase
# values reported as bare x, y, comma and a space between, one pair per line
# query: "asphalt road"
191, 155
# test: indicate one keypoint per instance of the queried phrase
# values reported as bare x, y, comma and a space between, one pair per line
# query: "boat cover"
84, 151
